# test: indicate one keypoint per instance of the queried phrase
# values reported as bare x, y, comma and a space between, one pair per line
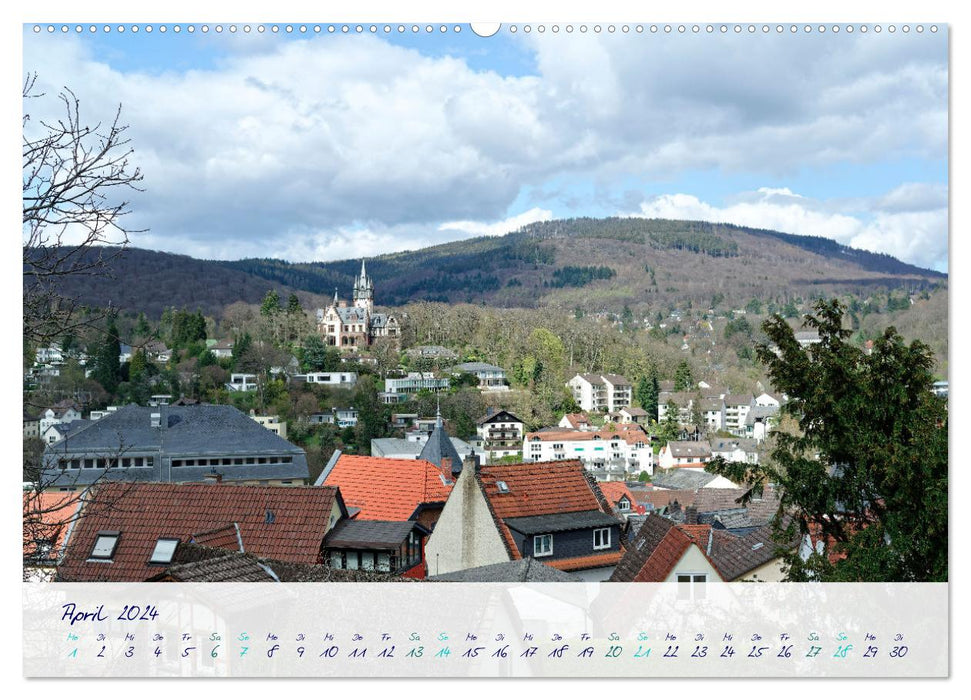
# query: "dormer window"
164, 550
105, 544
623, 504
543, 546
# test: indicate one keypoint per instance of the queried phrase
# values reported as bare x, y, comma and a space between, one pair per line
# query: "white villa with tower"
356, 325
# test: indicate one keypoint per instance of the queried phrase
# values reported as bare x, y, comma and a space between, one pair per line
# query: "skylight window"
164, 551
502, 486
105, 544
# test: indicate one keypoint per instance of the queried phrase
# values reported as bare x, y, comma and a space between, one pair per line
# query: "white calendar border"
604, 10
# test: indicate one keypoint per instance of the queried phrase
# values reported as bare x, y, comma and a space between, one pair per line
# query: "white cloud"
498, 228
335, 135
918, 237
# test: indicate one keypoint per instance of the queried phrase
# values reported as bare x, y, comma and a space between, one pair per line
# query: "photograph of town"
404, 303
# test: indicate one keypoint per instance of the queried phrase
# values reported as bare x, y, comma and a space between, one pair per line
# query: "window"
105, 544
691, 586
502, 486
164, 550
623, 505
542, 545
176, 462
601, 538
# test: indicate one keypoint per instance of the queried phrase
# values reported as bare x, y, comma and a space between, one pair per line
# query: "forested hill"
596, 264
610, 262
150, 282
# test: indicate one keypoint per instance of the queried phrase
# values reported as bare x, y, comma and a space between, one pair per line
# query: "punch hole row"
512, 29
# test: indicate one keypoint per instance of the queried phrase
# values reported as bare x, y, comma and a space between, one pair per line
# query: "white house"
684, 454
603, 393
767, 399
736, 450
611, 455
338, 379
63, 412
491, 377
241, 382
501, 433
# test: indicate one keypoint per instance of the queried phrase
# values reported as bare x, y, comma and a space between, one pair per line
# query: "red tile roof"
657, 548
388, 489
613, 491
630, 433
285, 523
665, 556
48, 515
541, 488
589, 562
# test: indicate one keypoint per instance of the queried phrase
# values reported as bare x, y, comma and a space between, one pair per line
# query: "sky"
323, 146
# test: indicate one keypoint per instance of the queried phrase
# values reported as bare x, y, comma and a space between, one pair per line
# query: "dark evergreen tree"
107, 365
866, 473
683, 379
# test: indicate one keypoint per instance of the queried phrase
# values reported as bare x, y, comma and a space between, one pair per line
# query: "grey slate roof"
520, 571
685, 479
729, 444
199, 431
560, 522
689, 448
762, 412
369, 534
439, 447
351, 314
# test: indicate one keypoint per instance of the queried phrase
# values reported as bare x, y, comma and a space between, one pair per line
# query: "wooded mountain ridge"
594, 264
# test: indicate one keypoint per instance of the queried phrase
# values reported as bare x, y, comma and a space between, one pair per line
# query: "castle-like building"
357, 325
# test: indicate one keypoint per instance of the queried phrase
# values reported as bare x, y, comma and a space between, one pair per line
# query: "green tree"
317, 356
867, 470
107, 366
139, 362
648, 390
754, 306
271, 304
293, 305
683, 379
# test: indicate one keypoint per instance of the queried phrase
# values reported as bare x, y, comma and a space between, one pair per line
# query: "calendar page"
526, 349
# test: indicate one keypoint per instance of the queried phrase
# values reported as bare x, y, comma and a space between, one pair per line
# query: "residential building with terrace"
614, 454
737, 408
415, 382
501, 433
602, 393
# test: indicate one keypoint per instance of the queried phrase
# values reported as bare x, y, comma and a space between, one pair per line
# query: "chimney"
213, 477
691, 515
156, 420
447, 463
471, 461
